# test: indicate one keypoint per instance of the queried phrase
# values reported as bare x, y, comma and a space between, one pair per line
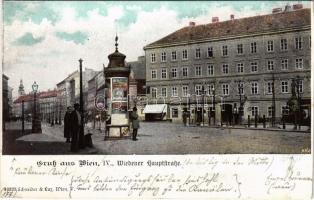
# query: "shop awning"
155, 108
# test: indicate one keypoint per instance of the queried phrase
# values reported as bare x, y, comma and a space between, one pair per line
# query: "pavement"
172, 138
278, 127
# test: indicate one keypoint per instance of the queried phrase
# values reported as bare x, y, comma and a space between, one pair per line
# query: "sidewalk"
289, 127
50, 141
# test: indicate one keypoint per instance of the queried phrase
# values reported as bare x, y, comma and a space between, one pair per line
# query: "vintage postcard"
156, 100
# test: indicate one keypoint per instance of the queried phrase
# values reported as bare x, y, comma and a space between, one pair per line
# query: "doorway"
226, 113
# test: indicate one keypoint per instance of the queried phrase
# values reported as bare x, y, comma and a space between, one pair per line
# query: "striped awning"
155, 108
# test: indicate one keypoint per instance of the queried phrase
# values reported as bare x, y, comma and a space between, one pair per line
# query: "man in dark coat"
185, 115
67, 131
75, 124
135, 122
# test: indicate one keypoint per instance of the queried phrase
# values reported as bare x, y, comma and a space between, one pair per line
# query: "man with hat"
67, 122
75, 123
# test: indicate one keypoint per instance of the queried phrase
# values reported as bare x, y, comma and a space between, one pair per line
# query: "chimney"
277, 10
232, 16
297, 6
192, 24
215, 19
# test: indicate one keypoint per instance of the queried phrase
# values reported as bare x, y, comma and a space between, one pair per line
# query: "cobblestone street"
171, 138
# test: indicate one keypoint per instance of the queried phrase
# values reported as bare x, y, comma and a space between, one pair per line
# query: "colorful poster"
119, 89
119, 107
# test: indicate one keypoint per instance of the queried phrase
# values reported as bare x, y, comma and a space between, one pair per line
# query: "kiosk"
117, 81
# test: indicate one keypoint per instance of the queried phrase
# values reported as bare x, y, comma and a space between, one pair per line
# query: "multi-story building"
138, 74
69, 89
17, 106
96, 87
47, 106
5, 100
10, 96
248, 64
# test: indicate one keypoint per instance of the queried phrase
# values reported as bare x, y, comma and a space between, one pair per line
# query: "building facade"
5, 100
221, 69
69, 90
47, 106
21, 90
138, 73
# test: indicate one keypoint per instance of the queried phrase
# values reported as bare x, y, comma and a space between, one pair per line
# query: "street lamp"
235, 114
203, 93
242, 101
212, 111
36, 124
81, 133
298, 88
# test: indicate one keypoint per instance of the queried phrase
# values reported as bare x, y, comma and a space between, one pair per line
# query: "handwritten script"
215, 176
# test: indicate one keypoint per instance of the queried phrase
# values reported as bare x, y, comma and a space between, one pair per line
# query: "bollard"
283, 122
255, 121
264, 121
23, 126
248, 121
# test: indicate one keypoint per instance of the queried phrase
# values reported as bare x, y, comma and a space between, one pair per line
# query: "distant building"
96, 88
231, 64
138, 75
5, 100
47, 105
69, 89
17, 105
10, 93
21, 90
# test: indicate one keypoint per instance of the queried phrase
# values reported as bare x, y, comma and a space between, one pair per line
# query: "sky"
43, 41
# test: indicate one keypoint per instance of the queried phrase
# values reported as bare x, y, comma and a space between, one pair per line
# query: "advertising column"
119, 113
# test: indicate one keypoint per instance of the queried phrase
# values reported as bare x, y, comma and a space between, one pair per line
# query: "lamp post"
23, 127
36, 124
298, 83
81, 136
242, 100
214, 105
189, 104
235, 114
60, 112
203, 93
273, 116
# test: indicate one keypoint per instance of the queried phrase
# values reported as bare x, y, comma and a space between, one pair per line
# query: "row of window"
225, 50
225, 89
225, 68
254, 111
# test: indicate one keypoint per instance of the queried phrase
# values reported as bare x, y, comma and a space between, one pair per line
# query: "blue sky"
44, 40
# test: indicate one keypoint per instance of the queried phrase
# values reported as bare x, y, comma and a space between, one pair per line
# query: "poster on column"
248, 52
119, 89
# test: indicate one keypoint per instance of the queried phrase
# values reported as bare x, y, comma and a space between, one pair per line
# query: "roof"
42, 95
238, 27
25, 98
69, 76
94, 77
5, 77
48, 94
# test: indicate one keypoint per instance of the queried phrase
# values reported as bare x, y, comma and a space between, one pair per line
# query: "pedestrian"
135, 123
75, 124
184, 116
67, 131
